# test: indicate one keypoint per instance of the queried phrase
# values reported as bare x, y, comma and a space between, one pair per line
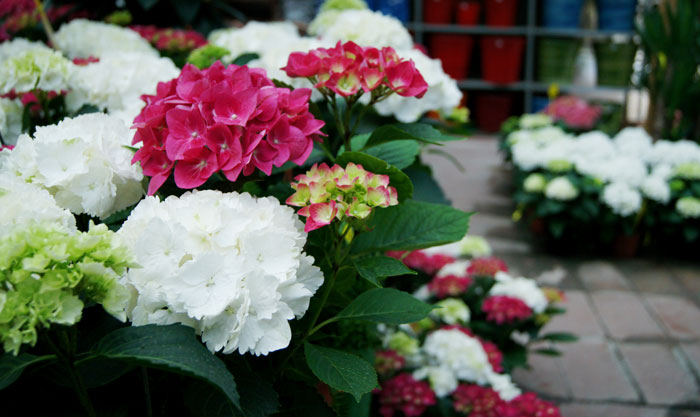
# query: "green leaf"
397, 179
385, 305
186, 9
399, 153
11, 367
148, 4
559, 337
372, 268
173, 348
341, 370
415, 131
425, 188
547, 352
412, 225
243, 59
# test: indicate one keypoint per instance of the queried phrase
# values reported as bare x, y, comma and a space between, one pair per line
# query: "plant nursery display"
624, 190
208, 238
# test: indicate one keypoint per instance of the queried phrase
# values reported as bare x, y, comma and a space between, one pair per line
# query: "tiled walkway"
638, 320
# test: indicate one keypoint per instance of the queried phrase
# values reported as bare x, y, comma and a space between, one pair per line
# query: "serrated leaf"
397, 178
11, 367
341, 370
173, 348
372, 268
399, 153
412, 225
385, 305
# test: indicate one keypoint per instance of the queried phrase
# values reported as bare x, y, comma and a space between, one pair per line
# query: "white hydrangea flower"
443, 93
42, 69
441, 379
81, 38
674, 153
622, 199
24, 203
117, 81
11, 112
522, 288
656, 188
463, 355
535, 121
456, 268
560, 188
634, 141
535, 183
504, 386
688, 207
18, 46
229, 265
452, 311
82, 162
366, 28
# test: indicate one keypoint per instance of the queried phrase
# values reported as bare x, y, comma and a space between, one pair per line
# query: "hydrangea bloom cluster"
117, 81
41, 69
452, 311
362, 26
83, 38
529, 405
348, 69
422, 260
11, 112
688, 207
403, 393
503, 309
522, 288
23, 204
228, 265
494, 355
170, 40
82, 162
19, 46
486, 267
574, 112
48, 274
446, 284
469, 246
477, 401
229, 119
327, 193
20, 15
561, 189
388, 361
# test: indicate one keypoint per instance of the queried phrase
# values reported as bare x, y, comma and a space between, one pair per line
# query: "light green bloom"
206, 55
47, 273
474, 246
342, 5
452, 311
403, 344
561, 189
688, 171
535, 183
39, 69
534, 121
559, 165
688, 207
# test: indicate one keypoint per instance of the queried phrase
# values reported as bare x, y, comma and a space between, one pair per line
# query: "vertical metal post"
530, 54
418, 21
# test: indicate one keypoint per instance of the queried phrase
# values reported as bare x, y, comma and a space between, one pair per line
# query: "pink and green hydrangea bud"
318, 192
301, 197
358, 209
320, 214
378, 197
376, 180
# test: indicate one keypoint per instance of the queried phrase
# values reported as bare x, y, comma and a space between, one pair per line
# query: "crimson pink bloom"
476, 401
449, 285
486, 267
167, 39
229, 119
529, 405
388, 361
403, 393
502, 309
348, 69
574, 112
418, 259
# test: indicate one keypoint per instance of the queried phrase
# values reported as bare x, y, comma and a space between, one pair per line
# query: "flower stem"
45, 22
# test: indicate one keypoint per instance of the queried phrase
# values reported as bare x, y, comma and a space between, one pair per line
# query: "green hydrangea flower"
42, 69
559, 165
205, 56
342, 5
689, 207
47, 273
403, 344
535, 183
688, 171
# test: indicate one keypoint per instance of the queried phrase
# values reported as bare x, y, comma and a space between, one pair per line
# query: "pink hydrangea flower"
403, 393
486, 267
529, 405
418, 259
231, 120
348, 69
502, 309
168, 39
325, 193
388, 361
449, 285
574, 112
476, 401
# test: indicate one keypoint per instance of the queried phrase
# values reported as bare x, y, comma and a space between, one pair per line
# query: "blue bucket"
616, 14
539, 103
562, 14
400, 9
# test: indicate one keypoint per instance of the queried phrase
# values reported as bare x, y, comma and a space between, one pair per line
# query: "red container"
501, 12
492, 109
501, 58
438, 11
455, 53
468, 13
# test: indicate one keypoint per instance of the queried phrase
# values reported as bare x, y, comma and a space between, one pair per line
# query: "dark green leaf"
341, 370
416, 131
173, 348
373, 268
397, 179
245, 58
386, 305
547, 352
559, 337
412, 225
11, 367
425, 188
86, 109
186, 9
400, 153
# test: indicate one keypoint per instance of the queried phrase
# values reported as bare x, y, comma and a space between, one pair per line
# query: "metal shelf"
528, 86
